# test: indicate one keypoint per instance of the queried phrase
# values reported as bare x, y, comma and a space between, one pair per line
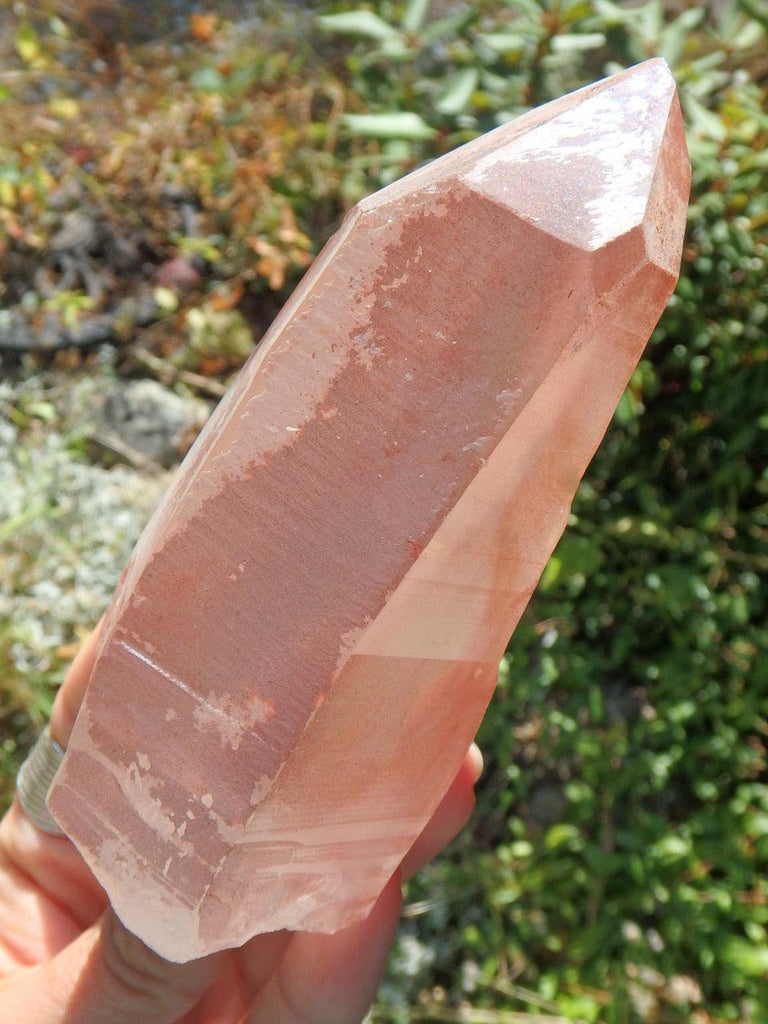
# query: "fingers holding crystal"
332, 979
451, 816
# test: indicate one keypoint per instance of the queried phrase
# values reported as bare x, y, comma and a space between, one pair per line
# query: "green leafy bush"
624, 814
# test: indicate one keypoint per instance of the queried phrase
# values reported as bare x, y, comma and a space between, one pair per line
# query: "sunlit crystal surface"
307, 635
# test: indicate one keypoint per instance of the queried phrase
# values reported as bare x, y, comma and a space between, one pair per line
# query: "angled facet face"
584, 176
307, 635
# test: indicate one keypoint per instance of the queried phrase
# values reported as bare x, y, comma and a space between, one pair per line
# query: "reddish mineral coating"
308, 633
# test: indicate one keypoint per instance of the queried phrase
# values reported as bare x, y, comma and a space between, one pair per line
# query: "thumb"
107, 976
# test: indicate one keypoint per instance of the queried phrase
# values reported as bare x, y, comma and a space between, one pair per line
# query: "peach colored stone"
307, 635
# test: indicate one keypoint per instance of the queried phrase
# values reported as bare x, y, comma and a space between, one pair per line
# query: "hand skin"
65, 958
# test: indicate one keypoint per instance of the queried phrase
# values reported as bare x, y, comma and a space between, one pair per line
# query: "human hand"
65, 958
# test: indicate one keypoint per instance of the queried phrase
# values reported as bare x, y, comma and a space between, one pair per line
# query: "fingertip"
451, 815
72, 690
475, 762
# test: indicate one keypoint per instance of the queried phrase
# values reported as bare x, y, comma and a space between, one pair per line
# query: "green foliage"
624, 813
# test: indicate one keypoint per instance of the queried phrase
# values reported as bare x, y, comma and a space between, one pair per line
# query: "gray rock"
77, 232
153, 420
50, 333
547, 804
622, 703
93, 331
15, 332
147, 309
123, 251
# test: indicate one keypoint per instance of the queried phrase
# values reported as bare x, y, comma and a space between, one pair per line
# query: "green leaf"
746, 957
60, 28
561, 834
521, 849
415, 15
458, 93
360, 25
611, 14
702, 121
193, 245
402, 125
650, 19
503, 42
579, 556
757, 9
27, 44
551, 574
453, 25
574, 42
627, 409
749, 35
675, 36
577, 11
45, 411
675, 584
672, 848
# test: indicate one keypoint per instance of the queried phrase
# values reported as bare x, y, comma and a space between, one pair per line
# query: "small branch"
171, 373
115, 444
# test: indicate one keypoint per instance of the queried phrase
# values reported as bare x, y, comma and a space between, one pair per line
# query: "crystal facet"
307, 635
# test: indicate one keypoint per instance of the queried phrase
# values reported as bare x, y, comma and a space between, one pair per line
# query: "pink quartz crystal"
308, 633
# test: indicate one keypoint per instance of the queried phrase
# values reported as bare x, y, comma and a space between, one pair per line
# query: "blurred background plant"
162, 188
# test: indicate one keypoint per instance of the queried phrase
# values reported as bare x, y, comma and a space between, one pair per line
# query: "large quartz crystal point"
308, 633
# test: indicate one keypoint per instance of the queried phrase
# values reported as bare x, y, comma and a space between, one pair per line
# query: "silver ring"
35, 778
